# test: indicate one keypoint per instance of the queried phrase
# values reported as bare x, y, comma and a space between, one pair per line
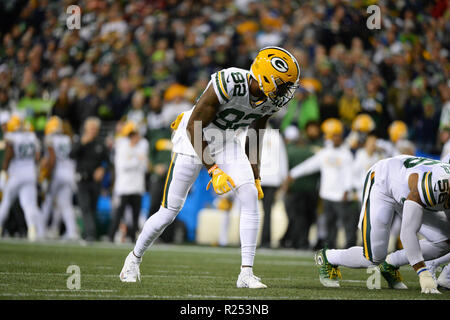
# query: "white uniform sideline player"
59, 169
208, 135
19, 176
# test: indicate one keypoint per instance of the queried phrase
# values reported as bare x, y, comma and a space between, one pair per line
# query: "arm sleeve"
307, 167
411, 223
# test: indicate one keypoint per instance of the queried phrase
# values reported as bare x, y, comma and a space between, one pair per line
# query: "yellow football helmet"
332, 126
363, 123
128, 128
14, 123
397, 130
53, 125
277, 72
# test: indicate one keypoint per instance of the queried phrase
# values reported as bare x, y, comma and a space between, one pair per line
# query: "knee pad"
175, 203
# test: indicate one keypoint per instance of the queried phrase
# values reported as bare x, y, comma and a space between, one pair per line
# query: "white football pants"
60, 197
26, 190
183, 171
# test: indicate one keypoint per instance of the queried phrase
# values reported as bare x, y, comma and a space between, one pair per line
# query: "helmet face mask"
277, 72
284, 92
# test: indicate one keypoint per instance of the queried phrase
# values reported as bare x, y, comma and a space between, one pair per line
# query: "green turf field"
177, 272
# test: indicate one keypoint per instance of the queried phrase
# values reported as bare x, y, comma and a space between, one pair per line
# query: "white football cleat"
247, 279
444, 278
130, 271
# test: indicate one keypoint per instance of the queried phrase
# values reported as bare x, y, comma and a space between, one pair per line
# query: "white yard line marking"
190, 248
175, 274
145, 296
287, 263
33, 274
71, 290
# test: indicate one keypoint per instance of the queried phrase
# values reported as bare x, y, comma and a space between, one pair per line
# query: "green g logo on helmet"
279, 64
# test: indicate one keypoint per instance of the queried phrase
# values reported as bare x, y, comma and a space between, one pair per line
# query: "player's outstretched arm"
411, 223
256, 148
9, 154
51, 158
309, 166
203, 114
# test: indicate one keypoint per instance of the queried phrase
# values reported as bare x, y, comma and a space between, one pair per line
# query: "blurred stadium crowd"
147, 61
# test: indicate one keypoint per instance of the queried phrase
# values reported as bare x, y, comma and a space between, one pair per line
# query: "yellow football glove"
220, 180
258, 187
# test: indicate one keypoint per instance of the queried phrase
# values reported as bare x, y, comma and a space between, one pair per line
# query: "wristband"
422, 270
214, 167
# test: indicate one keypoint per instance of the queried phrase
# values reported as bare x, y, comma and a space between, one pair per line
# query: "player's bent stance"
210, 135
418, 190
